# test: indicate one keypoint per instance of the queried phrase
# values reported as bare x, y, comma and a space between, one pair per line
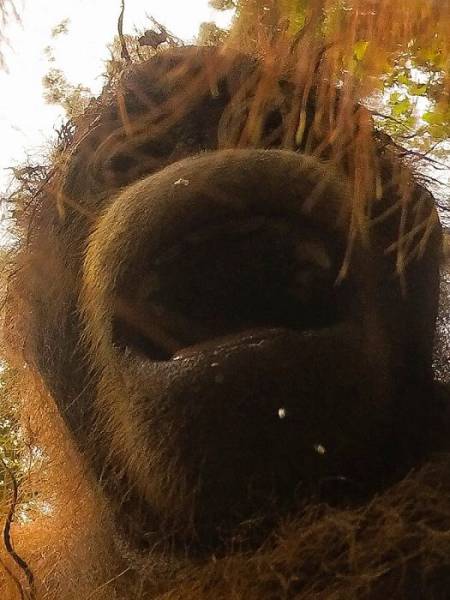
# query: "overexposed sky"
26, 122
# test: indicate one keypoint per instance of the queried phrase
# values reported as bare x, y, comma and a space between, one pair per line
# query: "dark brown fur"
241, 436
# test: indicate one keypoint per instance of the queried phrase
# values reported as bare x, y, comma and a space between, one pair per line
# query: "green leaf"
416, 89
394, 97
401, 108
434, 117
360, 49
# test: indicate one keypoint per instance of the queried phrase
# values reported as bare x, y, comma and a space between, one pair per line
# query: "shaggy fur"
169, 477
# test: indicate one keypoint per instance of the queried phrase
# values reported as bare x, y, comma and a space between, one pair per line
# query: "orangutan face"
223, 345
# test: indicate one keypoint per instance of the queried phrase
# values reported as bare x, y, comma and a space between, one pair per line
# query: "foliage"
397, 55
211, 35
138, 47
9, 429
57, 90
116, 63
223, 4
74, 99
61, 28
393, 56
18, 455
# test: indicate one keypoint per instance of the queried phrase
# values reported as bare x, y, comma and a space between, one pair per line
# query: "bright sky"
26, 122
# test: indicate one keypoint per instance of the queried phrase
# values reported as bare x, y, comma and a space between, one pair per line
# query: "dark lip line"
249, 338
231, 342
252, 338
255, 337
